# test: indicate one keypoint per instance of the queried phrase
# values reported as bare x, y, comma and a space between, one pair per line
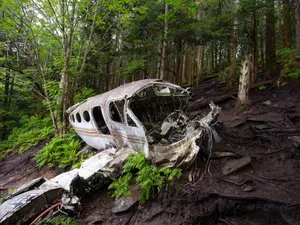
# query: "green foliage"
84, 94
262, 87
30, 132
291, 67
53, 90
59, 220
149, 177
134, 67
62, 151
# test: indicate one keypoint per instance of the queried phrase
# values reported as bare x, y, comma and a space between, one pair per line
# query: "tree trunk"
183, 73
280, 23
67, 34
232, 72
210, 61
200, 57
254, 48
270, 40
220, 57
3, 117
191, 67
244, 83
262, 59
164, 45
216, 56
297, 18
287, 24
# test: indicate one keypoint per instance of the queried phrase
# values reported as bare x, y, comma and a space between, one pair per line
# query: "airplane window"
115, 113
78, 117
86, 116
97, 114
72, 118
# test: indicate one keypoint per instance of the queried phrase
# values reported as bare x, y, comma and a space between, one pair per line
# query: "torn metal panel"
28, 186
25, 206
183, 152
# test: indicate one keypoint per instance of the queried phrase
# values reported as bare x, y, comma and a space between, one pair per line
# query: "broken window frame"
103, 117
121, 115
132, 116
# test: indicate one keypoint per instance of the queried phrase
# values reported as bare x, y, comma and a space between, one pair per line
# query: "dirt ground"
266, 191
18, 169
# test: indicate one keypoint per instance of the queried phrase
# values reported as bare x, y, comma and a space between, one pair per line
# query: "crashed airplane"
143, 116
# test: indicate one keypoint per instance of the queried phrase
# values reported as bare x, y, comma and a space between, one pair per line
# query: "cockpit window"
116, 111
97, 114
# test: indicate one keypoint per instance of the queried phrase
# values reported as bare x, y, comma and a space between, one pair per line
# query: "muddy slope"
18, 169
265, 191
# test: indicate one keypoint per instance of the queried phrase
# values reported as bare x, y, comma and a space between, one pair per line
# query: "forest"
56, 53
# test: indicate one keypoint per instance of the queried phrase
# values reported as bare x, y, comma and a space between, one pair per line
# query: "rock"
234, 165
295, 141
268, 102
124, 203
247, 188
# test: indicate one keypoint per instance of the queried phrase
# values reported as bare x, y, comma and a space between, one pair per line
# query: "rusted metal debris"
144, 116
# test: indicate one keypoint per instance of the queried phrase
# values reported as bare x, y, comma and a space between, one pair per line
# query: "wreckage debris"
146, 115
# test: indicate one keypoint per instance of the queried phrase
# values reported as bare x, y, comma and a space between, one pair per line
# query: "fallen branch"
281, 131
248, 198
233, 182
276, 186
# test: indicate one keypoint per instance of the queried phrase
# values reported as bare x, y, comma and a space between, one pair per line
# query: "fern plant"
59, 220
29, 133
149, 177
61, 151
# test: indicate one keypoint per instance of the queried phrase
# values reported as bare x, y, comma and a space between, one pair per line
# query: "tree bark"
287, 24
262, 58
200, 57
67, 34
183, 73
244, 83
270, 40
297, 18
3, 116
164, 45
199, 52
232, 72
191, 67
210, 61
254, 48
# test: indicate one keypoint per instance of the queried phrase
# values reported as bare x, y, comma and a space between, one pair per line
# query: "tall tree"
287, 24
297, 19
270, 39
164, 44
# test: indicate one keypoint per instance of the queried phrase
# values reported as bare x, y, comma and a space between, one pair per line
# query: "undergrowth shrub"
149, 177
61, 151
291, 63
59, 220
28, 134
